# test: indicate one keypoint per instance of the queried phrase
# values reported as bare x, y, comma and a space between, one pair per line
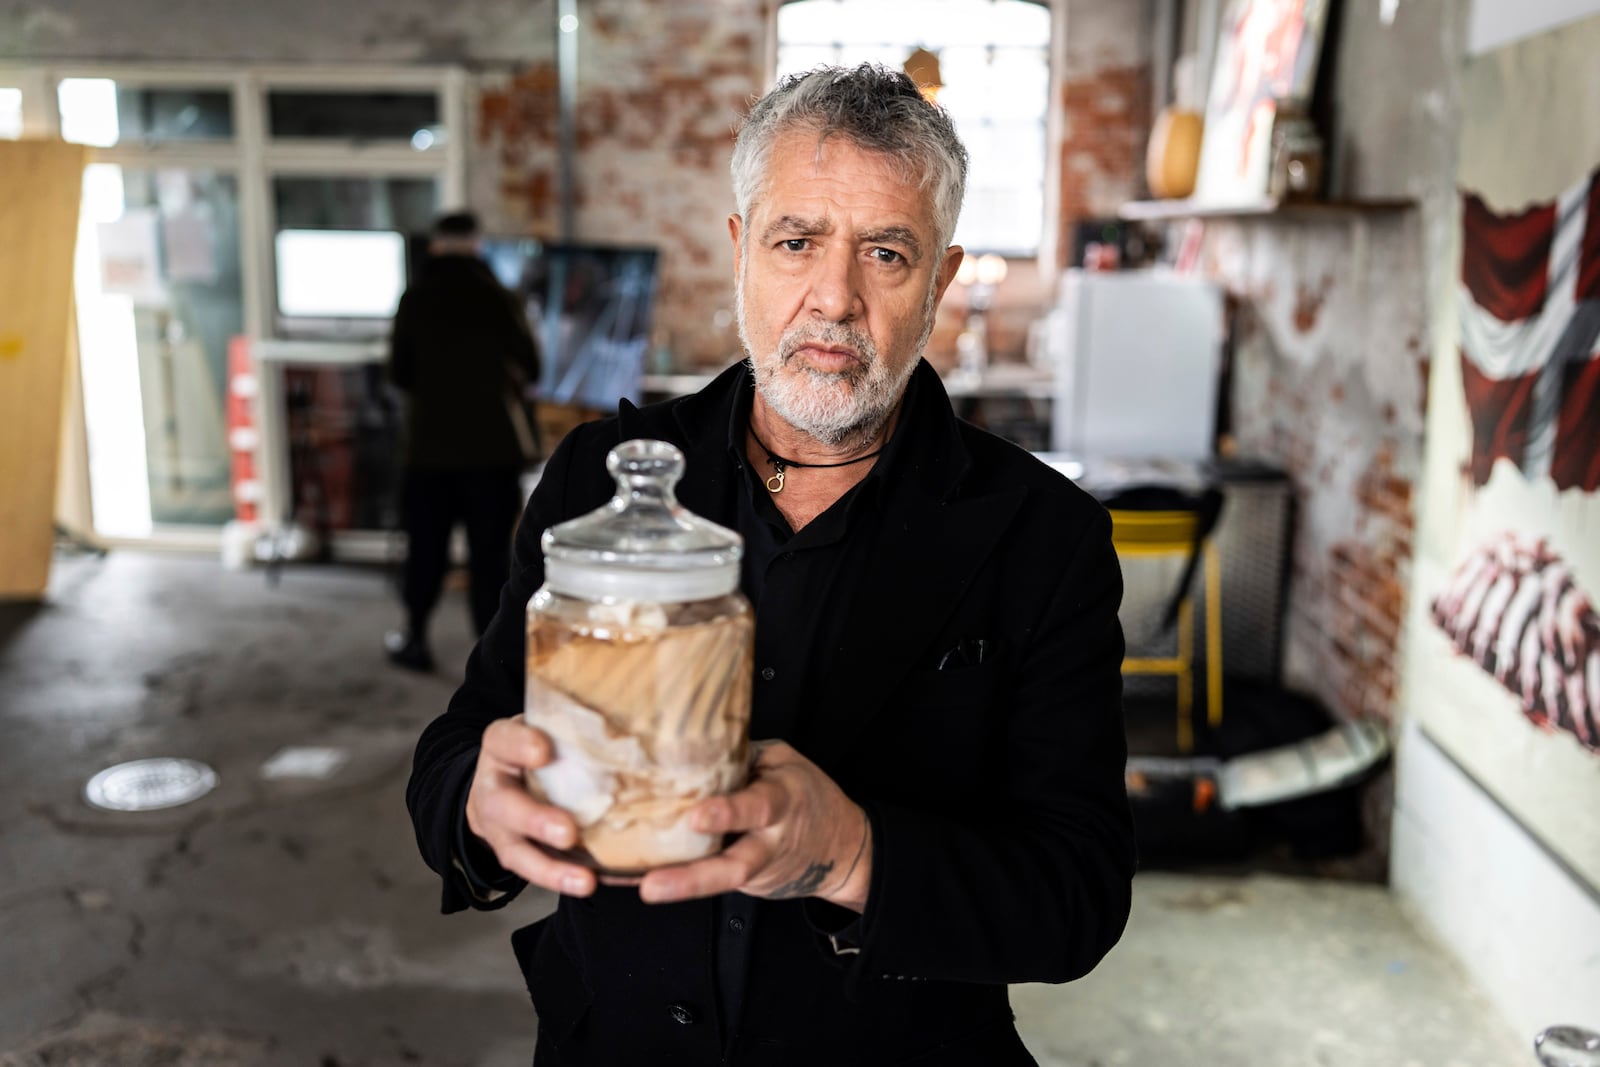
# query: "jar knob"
646, 468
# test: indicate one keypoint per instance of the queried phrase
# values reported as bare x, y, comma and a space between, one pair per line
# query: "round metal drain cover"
150, 784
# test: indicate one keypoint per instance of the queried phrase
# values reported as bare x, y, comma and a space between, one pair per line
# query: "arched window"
994, 65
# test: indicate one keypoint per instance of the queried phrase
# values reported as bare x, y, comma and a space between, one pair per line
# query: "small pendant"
775, 483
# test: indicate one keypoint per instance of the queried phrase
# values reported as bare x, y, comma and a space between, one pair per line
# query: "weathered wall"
1332, 349
661, 88
1329, 353
1106, 110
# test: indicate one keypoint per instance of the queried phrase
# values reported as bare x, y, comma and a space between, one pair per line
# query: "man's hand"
502, 812
801, 837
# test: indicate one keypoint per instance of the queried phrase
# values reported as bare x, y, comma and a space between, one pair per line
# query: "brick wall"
1105, 112
1329, 365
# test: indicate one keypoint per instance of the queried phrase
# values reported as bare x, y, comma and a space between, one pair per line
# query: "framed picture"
1266, 59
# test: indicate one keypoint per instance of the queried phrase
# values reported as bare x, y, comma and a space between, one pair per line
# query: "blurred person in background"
462, 353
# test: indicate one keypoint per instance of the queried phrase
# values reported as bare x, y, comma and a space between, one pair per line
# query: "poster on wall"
1506, 659
1266, 60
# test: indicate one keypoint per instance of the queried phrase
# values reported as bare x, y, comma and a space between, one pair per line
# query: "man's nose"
835, 294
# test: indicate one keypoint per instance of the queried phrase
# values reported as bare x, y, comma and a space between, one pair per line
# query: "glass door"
159, 294
159, 297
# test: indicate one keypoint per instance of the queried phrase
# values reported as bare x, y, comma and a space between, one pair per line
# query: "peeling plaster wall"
1330, 357
1333, 346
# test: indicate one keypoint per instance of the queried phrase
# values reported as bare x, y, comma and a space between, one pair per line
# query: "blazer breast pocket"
948, 720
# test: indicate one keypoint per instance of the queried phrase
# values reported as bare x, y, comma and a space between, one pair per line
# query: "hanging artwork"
1505, 665
1266, 61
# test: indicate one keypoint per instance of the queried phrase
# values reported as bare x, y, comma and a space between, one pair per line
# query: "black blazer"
1002, 843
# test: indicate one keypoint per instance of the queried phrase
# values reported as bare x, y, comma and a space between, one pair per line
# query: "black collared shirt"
792, 581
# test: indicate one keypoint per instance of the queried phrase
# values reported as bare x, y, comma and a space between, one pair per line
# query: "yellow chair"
1172, 533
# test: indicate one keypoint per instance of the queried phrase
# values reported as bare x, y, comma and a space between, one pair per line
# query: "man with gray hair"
936, 807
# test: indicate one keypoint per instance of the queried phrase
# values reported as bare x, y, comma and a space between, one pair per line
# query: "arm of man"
474, 821
1033, 885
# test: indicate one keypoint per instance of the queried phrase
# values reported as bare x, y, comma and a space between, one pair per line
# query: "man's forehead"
798, 159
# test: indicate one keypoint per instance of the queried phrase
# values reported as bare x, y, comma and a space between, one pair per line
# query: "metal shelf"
1166, 210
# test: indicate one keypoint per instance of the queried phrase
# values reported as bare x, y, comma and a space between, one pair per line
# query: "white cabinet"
1136, 357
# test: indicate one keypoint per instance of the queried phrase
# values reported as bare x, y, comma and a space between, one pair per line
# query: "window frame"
253, 159
1046, 258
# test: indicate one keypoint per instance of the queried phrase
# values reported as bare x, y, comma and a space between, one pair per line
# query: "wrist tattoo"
805, 885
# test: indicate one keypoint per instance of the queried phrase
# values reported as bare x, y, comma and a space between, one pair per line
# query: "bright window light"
994, 59
340, 274
119, 477
10, 114
89, 111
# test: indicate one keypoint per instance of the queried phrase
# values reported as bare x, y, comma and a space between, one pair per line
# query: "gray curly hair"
874, 108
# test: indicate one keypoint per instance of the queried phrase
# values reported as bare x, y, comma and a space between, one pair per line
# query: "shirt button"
681, 1014
768, 674
736, 924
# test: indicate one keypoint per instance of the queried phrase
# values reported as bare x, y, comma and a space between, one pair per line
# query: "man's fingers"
511, 808
722, 873
758, 805
529, 861
512, 741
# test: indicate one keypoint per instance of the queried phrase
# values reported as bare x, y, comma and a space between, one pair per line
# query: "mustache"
833, 334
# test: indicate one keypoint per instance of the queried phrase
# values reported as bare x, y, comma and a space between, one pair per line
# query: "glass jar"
640, 649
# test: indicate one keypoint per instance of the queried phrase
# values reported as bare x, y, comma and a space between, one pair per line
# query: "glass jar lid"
642, 545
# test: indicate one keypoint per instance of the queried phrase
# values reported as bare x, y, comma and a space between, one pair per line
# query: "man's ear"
947, 269
736, 231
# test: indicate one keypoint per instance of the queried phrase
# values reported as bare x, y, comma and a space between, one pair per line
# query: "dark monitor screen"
590, 307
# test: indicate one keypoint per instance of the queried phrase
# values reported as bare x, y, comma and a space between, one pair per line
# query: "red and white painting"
1503, 664
1530, 335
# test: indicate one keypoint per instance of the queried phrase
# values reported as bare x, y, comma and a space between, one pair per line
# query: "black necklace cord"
781, 463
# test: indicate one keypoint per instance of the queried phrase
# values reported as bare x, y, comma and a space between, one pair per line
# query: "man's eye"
795, 244
887, 255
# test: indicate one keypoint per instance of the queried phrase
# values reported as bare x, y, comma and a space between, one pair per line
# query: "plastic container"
639, 650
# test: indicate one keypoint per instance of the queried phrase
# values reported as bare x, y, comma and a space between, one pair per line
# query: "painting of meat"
1502, 639
1514, 610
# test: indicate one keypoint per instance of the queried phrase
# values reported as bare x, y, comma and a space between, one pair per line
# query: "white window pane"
10, 114
1001, 220
100, 112
89, 111
808, 22
793, 60
994, 63
1026, 24
999, 149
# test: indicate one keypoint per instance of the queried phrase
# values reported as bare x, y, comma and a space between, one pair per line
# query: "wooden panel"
41, 183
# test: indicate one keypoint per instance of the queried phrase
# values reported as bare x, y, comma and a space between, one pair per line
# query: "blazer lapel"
932, 539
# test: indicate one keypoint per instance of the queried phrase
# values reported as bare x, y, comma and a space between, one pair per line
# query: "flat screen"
340, 274
590, 306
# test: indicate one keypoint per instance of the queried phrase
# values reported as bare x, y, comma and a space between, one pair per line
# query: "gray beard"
841, 412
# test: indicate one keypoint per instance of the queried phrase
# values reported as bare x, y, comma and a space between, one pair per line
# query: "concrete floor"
289, 921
